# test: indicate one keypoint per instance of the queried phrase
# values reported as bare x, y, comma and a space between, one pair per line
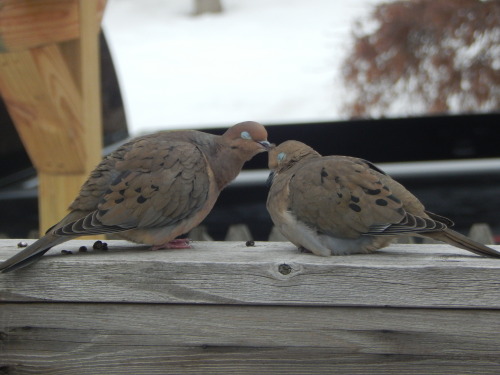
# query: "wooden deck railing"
224, 307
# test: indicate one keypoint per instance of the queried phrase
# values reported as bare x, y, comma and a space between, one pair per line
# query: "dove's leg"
178, 243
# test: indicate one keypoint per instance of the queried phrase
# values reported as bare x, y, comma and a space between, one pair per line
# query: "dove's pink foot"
178, 243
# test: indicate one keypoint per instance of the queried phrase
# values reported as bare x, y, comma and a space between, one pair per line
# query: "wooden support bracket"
49, 80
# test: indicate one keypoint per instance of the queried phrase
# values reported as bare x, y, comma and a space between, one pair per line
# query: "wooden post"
82, 56
50, 85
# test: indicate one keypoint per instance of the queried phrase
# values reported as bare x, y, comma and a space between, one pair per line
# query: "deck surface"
223, 307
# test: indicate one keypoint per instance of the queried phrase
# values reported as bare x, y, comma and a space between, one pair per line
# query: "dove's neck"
225, 162
228, 164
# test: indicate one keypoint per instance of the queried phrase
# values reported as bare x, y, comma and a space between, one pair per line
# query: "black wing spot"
393, 198
141, 199
138, 190
381, 202
122, 192
121, 177
116, 181
119, 200
323, 174
372, 191
354, 199
354, 207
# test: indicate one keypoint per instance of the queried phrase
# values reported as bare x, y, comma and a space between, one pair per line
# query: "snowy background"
273, 61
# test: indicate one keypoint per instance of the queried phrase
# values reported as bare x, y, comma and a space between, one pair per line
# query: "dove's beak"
265, 144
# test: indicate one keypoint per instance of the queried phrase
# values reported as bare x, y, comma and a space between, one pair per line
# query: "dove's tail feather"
463, 242
32, 253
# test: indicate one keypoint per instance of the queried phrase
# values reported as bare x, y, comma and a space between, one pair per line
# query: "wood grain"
225, 308
52, 92
56, 191
271, 273
88, 64
34, 23
151, 338
45, 105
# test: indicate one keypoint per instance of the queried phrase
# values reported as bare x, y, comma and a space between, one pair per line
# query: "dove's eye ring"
246, 135
281, 156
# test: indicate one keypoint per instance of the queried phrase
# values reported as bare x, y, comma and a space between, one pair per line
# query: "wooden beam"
53, 96
274, 273
82, 56
55, 193
225, 308
34, 23
69, 338
45, 105
89, 67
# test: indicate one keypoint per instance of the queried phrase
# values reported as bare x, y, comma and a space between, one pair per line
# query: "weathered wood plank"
228, 308
157, 338
244, 360
270, 273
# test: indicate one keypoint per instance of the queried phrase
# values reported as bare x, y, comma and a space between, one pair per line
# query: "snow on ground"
273, 61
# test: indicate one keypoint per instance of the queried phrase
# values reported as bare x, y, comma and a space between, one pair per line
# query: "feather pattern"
342, 205
153, 188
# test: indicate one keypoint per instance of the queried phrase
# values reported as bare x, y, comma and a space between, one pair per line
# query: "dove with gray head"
153, 188
336, 205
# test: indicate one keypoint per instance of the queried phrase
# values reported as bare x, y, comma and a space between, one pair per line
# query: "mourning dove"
153, 188
336, 205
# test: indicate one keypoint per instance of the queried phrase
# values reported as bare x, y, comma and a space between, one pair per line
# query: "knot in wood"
284, 269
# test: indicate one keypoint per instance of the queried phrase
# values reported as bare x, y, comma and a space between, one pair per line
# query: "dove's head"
247, 138
288, 153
